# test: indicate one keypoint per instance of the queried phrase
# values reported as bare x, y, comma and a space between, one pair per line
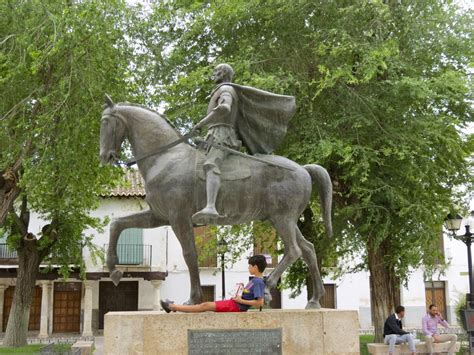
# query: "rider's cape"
263, 117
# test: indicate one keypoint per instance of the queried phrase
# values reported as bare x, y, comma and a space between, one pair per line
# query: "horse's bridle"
114, 128
162, 149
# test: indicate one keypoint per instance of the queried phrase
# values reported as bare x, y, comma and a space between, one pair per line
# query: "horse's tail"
321, 178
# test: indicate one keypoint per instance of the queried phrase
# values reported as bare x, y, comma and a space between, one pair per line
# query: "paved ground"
99, 345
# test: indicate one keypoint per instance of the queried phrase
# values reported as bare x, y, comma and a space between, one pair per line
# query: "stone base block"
377, 348
303, 332
85, 347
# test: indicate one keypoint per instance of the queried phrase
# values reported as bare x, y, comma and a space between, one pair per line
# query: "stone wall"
303, 331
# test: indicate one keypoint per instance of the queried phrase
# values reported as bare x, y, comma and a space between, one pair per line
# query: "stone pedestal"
303, 332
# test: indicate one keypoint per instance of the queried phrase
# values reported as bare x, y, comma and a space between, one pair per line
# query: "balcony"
8, 256
139, 255
133, 254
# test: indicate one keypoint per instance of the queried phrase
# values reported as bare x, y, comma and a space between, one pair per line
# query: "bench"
83, 347
378, 348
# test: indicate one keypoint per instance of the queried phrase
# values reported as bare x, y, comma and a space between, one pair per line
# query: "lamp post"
222, 249
453, 224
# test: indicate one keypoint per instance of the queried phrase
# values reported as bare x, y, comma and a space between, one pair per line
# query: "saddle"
233, 168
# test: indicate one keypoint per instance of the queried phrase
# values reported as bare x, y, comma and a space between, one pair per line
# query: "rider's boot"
209, 213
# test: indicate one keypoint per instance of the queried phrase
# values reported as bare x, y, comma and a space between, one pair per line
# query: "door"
130, 247
435, 292
67, 307
123, 297
208, 293
275, 292
329, 298
35, 310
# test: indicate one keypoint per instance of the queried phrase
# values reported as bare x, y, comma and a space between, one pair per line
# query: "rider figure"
239, 115
221, 119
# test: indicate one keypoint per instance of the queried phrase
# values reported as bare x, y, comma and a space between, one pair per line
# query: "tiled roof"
132, 185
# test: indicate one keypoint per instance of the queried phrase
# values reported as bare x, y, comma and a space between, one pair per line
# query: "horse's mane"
153, 111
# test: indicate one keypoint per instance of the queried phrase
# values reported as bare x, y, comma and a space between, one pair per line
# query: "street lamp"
453, 224
221, 250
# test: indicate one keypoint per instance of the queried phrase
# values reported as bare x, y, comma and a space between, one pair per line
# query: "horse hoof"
116, 275
313, 305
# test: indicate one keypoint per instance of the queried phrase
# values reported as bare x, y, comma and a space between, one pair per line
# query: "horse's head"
112, 132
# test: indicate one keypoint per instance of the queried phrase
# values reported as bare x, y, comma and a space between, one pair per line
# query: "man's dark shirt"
393, 326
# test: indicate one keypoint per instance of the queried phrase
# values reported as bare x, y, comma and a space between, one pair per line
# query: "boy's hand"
237, 298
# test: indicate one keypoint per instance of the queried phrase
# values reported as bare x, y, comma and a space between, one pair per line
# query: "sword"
251, 157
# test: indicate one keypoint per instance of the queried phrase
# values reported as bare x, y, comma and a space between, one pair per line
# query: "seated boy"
252, 295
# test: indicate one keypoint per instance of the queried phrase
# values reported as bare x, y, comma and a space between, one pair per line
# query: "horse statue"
277, 192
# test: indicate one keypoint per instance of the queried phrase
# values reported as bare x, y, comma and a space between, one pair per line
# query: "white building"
154, 268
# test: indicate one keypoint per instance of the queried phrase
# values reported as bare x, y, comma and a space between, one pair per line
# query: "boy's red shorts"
227, 306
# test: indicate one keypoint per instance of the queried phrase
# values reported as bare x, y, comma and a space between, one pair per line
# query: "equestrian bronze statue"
218, 184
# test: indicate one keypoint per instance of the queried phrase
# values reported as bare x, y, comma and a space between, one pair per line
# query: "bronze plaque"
235, 341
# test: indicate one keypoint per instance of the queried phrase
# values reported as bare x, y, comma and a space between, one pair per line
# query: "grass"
364, 340
33, 349
29, 349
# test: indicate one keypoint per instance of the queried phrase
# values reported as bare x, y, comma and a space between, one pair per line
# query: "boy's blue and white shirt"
253, 290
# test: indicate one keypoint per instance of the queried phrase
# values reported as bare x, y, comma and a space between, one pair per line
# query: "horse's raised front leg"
310, 258
286, 230
145, 219
185, 234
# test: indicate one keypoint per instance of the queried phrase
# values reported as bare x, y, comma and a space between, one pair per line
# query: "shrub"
459, 307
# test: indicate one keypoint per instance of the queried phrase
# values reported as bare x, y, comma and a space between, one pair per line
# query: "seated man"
394, 334
430, 330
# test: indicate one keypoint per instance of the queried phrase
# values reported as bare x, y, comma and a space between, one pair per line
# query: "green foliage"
239, 240
382, 92
57, 61
364, 340
459, 307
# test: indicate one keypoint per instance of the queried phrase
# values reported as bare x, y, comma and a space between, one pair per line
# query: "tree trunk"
384, 286
9, 191
28, 264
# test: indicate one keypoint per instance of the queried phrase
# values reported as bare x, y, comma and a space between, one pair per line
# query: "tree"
382, 92
58, 59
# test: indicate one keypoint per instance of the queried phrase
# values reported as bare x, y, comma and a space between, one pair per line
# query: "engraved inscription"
235, 341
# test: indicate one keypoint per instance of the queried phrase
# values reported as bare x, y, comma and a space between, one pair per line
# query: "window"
207, 255
435, 293
130, 247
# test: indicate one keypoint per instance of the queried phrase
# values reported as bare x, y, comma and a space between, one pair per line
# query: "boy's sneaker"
165, 305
